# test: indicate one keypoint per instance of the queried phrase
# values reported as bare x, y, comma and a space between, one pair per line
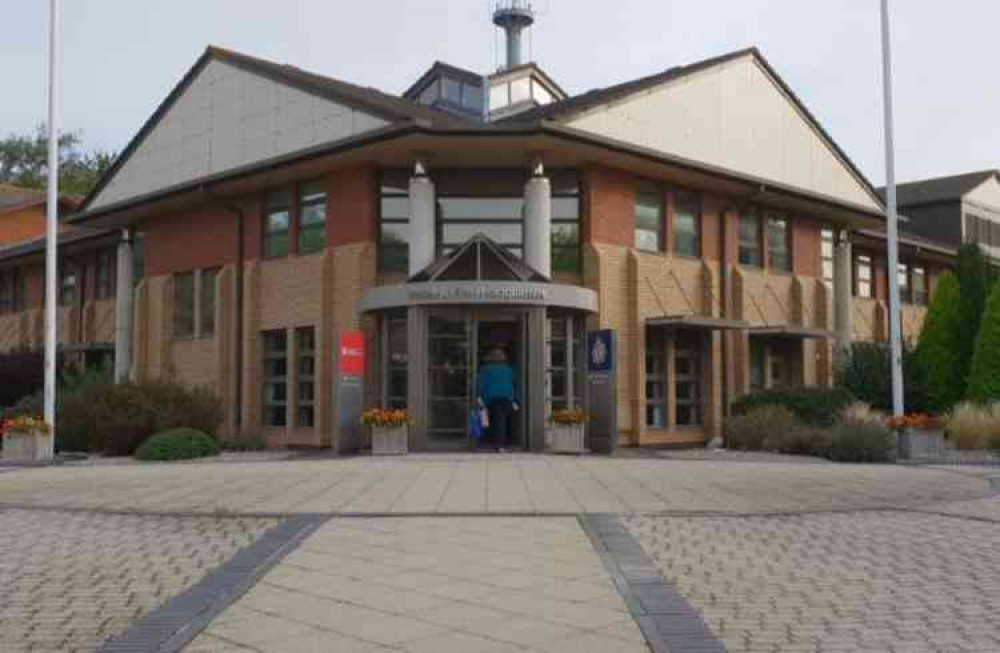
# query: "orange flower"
915, 421
385, 417
569, 416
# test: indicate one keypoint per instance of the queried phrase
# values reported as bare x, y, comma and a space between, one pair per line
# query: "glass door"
449, 376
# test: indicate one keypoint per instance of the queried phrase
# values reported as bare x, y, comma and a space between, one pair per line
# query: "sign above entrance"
511, 293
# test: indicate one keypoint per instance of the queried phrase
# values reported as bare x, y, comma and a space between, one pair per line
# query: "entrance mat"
669, 623
173, 625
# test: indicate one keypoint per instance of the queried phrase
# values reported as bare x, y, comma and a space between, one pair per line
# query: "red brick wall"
609, 207
200, 238
712, 208
806, 238
351, 211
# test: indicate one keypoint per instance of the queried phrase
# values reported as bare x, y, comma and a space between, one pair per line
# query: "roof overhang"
559, 146
695, 322
909, 244
790, 331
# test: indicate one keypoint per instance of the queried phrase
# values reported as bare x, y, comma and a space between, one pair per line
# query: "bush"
972, 426
116, 419
866, 373
751, 430
984, 374
243, 443
974, 281
861, 413
21, 373
938, 351
177, 444
861, 443
812, 406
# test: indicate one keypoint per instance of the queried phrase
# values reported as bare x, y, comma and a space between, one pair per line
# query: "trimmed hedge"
984, 376
752, 430
861, 443
177, 444
938, 351
812, 406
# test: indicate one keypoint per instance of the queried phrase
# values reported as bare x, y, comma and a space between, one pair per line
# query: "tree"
974, 280
24, 162
938, 353
866, 373
984, 375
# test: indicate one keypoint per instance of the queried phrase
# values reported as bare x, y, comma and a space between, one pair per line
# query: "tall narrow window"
312, 217
758, 358
903, 279
826, 250
565, 222
656, 379
649, 220
687, 379
275, 377
398, 371
687, 220
6, 292
394, 222
184, 305
276, 223
750, 240
918, 289
305, 341
778, 250
106, 273
863, 276
206, 303
68, 289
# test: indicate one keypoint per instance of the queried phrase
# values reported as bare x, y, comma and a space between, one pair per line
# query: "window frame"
576, 194
649, 191
381, 190
770, 221
274, 354
750, 217
864, 261
207, 278
106, 268
305, 354
177, 330
675, 205
66, 272
828, 236
920, 292
277, 201
904, 282
656, 358
301, 203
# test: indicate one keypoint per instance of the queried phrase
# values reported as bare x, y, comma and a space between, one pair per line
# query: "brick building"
263, 213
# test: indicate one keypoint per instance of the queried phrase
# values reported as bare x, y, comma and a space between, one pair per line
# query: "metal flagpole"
51, 221
892, 224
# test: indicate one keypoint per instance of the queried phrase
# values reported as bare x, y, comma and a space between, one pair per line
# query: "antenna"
514, 16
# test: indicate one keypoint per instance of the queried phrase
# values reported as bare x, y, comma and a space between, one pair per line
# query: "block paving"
71, 580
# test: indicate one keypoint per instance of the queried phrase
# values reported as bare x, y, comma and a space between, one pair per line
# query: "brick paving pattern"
68, 581
887, 581
441, 585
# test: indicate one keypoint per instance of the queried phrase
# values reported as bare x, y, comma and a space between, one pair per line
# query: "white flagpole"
51, 222
892, 224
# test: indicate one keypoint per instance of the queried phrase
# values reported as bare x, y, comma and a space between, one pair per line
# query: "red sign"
352, 353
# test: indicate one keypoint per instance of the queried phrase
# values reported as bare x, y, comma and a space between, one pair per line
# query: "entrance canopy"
790, 331
695, 322
480, 272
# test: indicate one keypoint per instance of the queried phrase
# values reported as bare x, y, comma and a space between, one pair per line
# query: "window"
565, 222
106, 273
206, 302
6, 291
863, 276
312, 217
394, 222
758, 358
430, 94
68, 287
656, 379
918, 286
486, 202
277, 223
184, 305
562, 386
687, 379
750, 240
826, 252
649, 220
780, 368
397, 363
687, 219
451, 90
275, 377
305, 343
472, 96
778, 250
903, 279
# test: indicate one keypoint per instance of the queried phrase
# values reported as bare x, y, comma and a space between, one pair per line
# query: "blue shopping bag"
475, 425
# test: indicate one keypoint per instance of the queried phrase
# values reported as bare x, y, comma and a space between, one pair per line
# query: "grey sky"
122, 57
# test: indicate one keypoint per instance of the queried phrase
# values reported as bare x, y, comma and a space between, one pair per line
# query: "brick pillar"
251, 347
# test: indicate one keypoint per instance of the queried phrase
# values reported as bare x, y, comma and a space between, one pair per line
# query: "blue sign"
600, 351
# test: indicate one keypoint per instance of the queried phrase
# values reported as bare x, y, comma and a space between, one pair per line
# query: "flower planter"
917, 442
26, 445
565, 438
390, 441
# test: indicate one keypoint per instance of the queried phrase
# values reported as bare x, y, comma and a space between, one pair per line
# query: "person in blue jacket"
495, 391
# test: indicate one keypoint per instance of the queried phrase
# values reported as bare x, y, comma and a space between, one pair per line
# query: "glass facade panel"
394, 222
656, 379
448, 401
451, 90
649, 221
312, 217
277, 222
687, 219
398, 359
750, 245
275, 381
826, 251
184, 305
863, 276
778, 249
562, 373
472, 96
687, 379
305, 401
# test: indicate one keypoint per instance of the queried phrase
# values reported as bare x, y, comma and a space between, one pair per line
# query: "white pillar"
422, 220
123, 310
843, 300
538, 221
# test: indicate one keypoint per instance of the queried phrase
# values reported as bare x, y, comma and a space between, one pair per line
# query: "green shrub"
751, 431
177, 444
861, 443
974, 280
972, 426
812, 406
866, 373
243, 443
984, 374
938, 350
800, 440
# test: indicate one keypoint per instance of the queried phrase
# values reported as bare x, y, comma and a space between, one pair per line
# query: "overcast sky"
122, 57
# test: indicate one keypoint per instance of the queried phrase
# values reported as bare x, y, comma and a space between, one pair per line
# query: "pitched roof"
939, 189
66, 236
17, 197
478, 246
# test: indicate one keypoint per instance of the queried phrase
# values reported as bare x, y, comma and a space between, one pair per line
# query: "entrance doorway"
458, 340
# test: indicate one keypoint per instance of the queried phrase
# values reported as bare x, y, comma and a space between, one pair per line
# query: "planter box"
916, 443
390, 441
565, 438
26, 446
